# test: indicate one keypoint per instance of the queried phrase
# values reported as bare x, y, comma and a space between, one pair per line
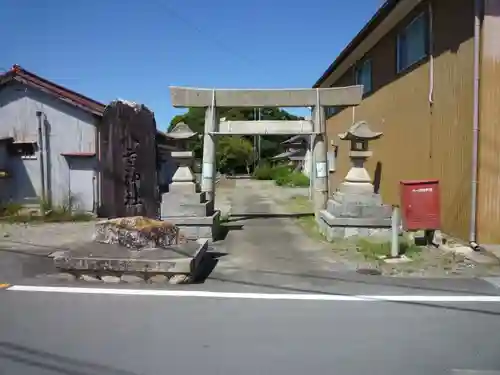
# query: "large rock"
137, 232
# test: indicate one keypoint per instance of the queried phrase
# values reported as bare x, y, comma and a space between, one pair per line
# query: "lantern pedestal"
354, 209
184, 204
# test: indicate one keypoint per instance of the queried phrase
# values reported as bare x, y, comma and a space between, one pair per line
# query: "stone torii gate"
318, 99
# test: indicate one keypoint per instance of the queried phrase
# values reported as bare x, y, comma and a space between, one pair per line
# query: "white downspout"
431, 54
311, 162
475, 124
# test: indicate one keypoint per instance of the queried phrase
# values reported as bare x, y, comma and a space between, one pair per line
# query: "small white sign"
331, 161
207, 170
321, 169
422, 190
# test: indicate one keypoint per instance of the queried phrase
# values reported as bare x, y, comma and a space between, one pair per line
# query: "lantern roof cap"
360, 131
181, 131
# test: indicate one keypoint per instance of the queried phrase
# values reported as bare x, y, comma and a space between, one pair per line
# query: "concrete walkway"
262, 237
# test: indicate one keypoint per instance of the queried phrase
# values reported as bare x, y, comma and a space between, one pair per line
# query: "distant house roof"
16, 73
386, 11
291, 154
299, 138
79, 154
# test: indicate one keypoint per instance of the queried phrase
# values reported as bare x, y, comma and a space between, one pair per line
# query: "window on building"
330, 111
26, 150
412, 44
363, 77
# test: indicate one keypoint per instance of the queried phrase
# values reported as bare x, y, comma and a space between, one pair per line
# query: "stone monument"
184, 204
127, 145
132, 244
355, 209
134, 248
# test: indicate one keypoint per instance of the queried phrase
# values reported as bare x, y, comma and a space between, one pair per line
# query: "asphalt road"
58, 333
95, 334
276, 309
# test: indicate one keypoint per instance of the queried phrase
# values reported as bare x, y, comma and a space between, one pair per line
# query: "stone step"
190, 209
183, 188
369, 222
192, 227
358, 210
169, 199
193, 209
97, 257
373, 199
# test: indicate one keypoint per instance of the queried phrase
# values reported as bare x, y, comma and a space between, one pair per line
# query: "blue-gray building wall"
69, 130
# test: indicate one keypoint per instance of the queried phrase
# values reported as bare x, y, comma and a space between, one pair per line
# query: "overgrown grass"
303, 208
11, 209
49, 218
263, 172
283, 175
372, 250
224, 218
16, 213
293, 179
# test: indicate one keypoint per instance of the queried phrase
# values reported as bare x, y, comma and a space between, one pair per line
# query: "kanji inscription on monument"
128, 161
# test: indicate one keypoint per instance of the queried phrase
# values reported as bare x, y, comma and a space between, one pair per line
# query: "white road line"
267, 296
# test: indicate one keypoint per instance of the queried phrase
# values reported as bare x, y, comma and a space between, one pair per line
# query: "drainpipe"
431, 53
311, 161
97, 171
475, 123
41, 147
94, 194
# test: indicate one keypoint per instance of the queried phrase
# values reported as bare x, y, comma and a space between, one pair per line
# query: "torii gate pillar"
208, 168
320, 161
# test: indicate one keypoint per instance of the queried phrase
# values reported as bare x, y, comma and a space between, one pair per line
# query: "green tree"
234, 154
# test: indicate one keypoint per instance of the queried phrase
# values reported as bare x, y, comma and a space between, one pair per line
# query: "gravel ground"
43, 239
427, 262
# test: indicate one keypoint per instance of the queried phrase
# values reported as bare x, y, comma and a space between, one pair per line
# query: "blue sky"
109, 49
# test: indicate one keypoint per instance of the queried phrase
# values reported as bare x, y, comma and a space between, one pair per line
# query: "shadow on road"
207, 266
56, 363
225, 228
371, 280
309, 291
248, 216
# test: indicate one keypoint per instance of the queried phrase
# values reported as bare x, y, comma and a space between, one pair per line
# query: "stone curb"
174, 270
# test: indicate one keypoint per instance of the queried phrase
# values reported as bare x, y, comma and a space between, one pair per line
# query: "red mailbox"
420, 204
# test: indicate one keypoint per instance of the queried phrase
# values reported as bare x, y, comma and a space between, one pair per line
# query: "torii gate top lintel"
184, 97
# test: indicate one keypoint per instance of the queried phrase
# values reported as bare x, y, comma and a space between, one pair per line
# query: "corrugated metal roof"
16, 73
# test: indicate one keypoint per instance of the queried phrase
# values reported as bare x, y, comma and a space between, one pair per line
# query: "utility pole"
255, 163
258, 140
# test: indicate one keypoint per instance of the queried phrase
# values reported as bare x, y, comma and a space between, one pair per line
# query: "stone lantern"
184, 204
181, 134
355, 209
357, 179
